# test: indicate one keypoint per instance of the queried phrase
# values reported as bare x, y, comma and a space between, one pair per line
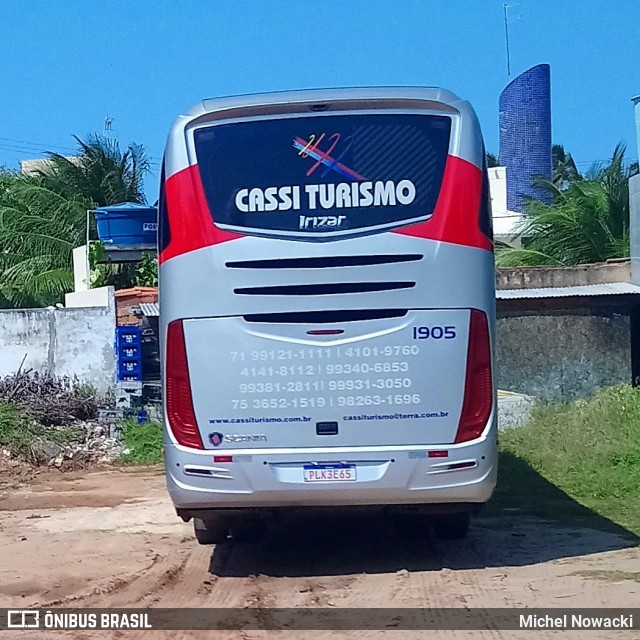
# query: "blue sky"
67, 63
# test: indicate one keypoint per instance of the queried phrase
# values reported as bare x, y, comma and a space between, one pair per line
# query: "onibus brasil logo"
61, 619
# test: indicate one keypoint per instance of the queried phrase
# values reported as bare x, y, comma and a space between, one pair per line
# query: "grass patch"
144, 442
65, 435
21, 432
578, 461
17, 430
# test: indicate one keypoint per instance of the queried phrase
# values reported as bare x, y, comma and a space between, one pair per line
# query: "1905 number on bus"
435, 333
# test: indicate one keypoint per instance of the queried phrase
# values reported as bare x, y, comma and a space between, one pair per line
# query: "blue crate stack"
129, 354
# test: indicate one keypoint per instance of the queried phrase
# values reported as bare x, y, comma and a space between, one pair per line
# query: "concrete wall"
92, 298
64, 342
562, 356
584, 274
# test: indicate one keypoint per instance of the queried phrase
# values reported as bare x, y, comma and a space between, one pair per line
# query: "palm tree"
564, 166
492, 160
587, 222
43, 217
101, 174
39, 229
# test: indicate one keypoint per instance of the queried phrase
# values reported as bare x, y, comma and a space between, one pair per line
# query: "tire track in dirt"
197, 588
146, 588
101, 596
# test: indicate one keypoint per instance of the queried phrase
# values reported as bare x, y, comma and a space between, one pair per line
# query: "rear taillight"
478, 388
180, 414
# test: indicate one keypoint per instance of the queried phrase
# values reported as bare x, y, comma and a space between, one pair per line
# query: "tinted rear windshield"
325, 173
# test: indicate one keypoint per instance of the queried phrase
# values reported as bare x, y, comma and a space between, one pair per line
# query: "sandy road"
111, 538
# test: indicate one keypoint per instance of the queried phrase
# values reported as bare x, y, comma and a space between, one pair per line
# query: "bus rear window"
323, 174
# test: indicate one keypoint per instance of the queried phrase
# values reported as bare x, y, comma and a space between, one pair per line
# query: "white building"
31, 167
505, 222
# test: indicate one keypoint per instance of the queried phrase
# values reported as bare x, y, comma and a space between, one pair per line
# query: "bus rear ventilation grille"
324, 262
326, 317
323, 289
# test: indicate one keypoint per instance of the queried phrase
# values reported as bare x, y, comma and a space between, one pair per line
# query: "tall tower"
525, 135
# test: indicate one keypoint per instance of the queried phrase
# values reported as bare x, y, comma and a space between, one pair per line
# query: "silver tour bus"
327, 308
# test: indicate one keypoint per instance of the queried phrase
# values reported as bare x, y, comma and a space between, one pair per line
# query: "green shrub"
17, 430
143, 441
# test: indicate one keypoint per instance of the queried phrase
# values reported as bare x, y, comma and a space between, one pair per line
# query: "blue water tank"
525, 135
127, 224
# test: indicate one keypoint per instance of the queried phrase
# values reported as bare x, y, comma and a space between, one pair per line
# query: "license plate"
330, 473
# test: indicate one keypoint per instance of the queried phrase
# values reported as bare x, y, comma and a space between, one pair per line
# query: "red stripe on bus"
456, 218
190, 220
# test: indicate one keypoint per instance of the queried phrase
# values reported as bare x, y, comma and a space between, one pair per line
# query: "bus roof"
320, 96
468, 145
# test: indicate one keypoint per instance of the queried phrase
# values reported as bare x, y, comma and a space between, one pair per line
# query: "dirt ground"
110, 538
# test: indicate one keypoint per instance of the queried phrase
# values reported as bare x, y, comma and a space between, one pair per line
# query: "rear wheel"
453, 526
209, 531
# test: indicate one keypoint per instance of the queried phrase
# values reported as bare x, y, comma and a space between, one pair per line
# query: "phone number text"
323, 369
319, 401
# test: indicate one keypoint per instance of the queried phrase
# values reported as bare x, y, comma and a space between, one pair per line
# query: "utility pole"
506, 8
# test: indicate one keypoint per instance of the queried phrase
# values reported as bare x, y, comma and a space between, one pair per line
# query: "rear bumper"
323, 512
272, 478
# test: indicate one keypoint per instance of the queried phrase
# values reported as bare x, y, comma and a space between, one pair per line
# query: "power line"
23, 147
13, 144
22, 150
39, 145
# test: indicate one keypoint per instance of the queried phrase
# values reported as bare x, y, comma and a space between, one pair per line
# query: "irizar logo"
321, 222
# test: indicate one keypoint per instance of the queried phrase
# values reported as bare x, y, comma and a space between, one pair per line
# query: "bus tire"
209, 532
249, 531
453, 526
